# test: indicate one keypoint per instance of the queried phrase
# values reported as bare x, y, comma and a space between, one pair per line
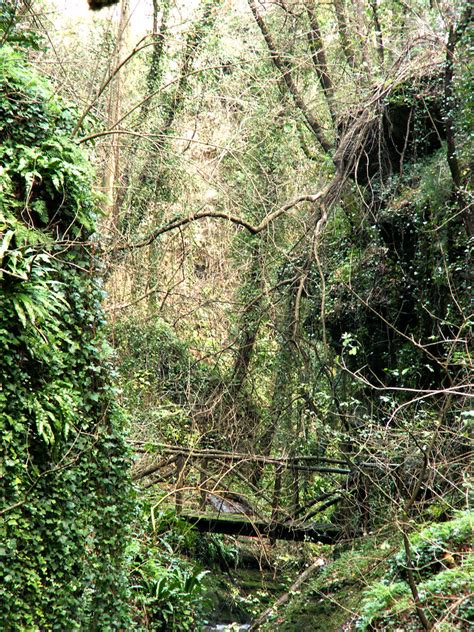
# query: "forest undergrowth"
236, 287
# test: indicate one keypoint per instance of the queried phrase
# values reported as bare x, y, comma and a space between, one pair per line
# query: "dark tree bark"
250, 323
455, 32
318, 55
339, 8
155, 71
378, 30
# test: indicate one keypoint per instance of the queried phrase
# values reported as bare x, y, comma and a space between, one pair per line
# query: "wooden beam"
323, 533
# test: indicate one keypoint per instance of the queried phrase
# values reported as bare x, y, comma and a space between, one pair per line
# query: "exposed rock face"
404, 126
398, 289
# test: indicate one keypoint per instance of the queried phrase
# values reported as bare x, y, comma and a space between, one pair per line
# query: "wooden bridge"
246, 494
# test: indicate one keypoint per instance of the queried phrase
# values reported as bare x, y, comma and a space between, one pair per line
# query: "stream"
232, 596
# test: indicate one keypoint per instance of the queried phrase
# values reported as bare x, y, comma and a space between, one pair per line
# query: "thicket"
369, 578
66, 496
286, 247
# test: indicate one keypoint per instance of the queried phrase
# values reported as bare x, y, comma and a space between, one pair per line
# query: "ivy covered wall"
66, 498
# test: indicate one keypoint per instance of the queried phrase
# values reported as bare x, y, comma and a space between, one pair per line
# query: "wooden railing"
203, 482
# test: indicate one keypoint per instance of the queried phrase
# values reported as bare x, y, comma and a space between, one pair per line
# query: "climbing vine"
67, 499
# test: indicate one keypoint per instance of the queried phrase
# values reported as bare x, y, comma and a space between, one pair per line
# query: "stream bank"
236, 594
363, 586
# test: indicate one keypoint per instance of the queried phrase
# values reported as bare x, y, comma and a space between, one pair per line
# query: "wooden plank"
295, 491
276, 498
202, 485
180, 464
276, 493
323, 533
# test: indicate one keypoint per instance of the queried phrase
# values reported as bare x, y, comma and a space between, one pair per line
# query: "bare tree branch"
178, 222
285, 71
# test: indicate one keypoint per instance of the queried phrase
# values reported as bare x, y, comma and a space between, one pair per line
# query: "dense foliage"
443, 563
368, 578
166, 587
285, 241
66, 500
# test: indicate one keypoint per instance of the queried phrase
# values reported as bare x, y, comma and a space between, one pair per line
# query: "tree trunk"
112, 156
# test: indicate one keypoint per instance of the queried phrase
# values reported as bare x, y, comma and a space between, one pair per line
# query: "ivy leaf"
8, 236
